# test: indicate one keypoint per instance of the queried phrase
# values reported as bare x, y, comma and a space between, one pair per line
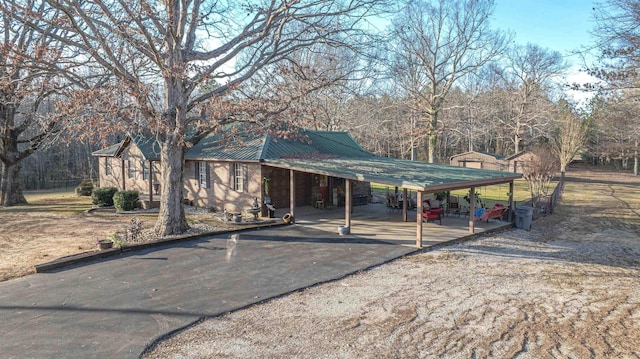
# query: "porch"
375, 221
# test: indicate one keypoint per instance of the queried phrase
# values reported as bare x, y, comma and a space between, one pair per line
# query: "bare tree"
569, 136
617, 34
527, 76
437, 43
617, 31
176, 64
33, 73
539, 170
616, 129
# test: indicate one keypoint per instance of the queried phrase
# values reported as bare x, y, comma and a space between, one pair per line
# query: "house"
133, 164
491, 161
229, 173
230, 170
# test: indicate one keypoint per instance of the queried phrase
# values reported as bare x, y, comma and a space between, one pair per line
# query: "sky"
561, 25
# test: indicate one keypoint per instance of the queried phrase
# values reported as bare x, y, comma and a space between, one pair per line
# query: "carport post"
292, 197
150, 183
404, 205
472, 208
419, 220
124, 179
347, 203
510, 219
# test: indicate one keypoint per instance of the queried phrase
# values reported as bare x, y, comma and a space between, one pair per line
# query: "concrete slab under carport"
376, 221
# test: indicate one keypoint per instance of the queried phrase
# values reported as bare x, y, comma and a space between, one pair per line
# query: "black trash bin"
524, 216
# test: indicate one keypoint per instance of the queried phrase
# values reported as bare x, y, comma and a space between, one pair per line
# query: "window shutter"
232, 175
197, 166
208, 176
245, 179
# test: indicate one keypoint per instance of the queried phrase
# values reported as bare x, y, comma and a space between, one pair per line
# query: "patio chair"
495, 212
431, 214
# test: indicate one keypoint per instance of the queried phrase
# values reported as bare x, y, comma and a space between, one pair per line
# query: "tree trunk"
432, 139
635, 160
171, 218
11, 191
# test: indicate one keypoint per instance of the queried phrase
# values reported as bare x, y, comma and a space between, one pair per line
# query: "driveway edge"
91, 256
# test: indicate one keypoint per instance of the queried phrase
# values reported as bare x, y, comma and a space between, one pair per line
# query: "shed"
481, 160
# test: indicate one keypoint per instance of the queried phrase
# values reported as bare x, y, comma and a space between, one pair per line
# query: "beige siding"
478, 160
132, 158
114, 179
516, 164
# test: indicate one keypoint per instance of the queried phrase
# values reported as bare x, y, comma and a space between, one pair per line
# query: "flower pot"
105, 244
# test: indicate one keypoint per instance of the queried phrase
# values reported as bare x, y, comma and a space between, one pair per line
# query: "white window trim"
202, 173
108, 170
145, 170
240, 177
131, 169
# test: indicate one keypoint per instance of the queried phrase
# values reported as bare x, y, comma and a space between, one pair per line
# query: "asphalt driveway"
118, 306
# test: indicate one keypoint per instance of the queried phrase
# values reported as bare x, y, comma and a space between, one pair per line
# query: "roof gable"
108, 151
493, 155
147, 145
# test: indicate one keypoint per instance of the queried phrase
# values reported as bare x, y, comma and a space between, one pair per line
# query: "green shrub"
84, 188
103, 197
126, 200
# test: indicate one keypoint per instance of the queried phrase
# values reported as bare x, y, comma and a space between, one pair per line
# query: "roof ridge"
358, 147
266, 142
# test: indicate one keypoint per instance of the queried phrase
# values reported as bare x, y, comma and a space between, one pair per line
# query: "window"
107, 165
145, 170
203, 174
131, 169
239, 177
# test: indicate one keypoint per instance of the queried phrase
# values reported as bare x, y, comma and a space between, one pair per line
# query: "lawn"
488, 194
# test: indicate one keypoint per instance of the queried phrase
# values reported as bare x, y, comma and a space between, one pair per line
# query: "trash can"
524, 216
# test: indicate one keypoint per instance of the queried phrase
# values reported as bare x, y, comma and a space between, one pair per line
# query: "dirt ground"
568, 288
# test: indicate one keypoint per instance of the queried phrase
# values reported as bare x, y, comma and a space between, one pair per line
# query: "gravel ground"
568, 288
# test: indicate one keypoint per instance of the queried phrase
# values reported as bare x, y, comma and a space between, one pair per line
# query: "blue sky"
561, 25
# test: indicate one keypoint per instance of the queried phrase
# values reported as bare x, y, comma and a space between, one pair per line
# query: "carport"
424, 178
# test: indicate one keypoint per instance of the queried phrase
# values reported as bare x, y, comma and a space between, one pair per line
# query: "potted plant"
467, 197
266, 185
440, 196
104, 244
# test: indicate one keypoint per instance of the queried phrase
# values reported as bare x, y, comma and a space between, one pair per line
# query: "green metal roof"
330, 153
338, 143
414, 175
108, 151
248, 147
147, 145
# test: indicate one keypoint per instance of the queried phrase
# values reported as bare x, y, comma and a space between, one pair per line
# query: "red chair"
431, 214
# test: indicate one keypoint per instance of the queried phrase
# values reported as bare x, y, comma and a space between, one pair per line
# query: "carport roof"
416, 175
